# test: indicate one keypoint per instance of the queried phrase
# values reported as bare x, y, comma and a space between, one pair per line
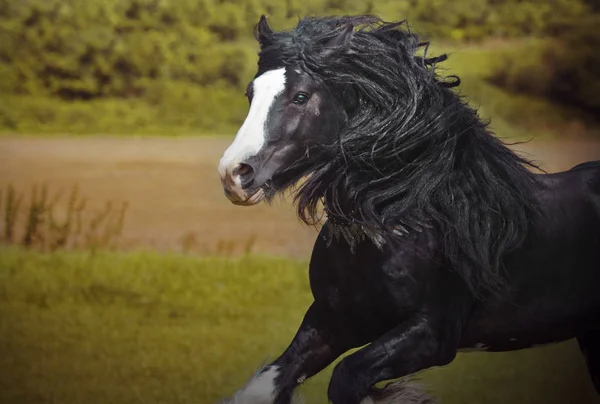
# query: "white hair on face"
259, 390
251, 135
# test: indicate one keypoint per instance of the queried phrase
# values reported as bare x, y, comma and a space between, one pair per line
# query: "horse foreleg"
317, 343
416, 344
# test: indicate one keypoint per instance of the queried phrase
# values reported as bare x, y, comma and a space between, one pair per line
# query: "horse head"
291, 110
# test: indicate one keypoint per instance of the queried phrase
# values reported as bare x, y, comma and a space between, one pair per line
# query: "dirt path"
174, 192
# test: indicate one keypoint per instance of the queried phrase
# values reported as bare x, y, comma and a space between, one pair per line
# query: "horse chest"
363, 289
364, 292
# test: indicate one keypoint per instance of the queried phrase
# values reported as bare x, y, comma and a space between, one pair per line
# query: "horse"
436, 237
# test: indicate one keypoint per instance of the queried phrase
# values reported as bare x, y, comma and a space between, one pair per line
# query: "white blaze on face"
251, 136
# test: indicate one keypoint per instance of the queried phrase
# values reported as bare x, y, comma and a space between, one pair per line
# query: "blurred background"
125, 274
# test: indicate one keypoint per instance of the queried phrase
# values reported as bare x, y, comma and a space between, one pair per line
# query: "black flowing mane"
412, 148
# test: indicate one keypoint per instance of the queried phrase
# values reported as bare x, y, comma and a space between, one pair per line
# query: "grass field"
145, 327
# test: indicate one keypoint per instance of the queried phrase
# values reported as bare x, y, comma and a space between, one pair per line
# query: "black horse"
438, 237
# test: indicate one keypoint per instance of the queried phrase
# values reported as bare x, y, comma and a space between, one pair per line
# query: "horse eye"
300, 98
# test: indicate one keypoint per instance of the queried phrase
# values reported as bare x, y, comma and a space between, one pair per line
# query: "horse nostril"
245, 172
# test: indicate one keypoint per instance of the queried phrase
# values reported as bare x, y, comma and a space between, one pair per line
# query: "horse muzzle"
236, 181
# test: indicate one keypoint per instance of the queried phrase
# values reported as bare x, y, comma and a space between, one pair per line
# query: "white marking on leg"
260, 389
251, 136
401, 391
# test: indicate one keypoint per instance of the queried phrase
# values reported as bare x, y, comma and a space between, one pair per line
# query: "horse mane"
412, 149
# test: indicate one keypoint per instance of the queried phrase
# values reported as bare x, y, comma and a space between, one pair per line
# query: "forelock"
304, 44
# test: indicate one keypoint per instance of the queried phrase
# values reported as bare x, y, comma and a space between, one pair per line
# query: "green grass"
45, 116
81, 327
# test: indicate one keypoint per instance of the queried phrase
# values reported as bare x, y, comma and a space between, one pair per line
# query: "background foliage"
127, 66
563, 69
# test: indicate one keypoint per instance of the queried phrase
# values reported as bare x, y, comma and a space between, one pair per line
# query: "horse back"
587, 165
565, 240
590, 180
571, 203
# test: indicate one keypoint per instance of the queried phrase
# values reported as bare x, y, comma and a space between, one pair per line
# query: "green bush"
83, 50
563, 68
79, 49
480, 19
180, 66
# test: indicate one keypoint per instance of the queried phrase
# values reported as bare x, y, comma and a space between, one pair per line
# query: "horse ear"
339, 40
262, 31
